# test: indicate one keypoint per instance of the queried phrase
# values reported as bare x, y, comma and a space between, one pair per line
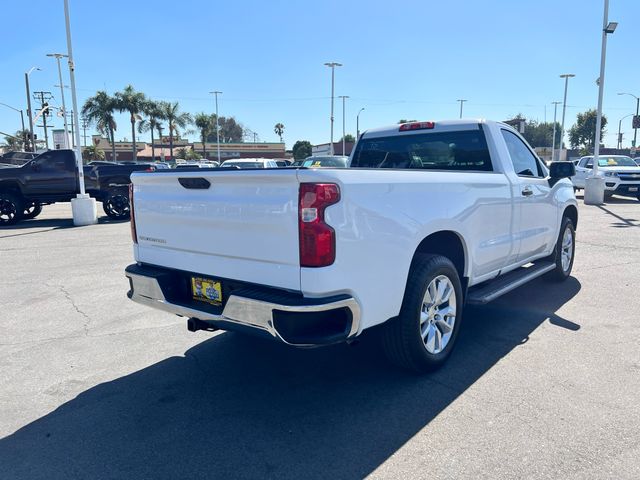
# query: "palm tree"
203, 123
92, 152
133, 102
175, 120
99, 109
152, 110
279, 130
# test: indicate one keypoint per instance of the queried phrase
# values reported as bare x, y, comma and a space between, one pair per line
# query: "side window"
55, 163
524, 162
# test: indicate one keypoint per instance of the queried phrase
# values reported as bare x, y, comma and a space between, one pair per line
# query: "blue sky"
407, 59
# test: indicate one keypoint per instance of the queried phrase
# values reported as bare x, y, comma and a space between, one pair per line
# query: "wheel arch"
449, 244
571, 212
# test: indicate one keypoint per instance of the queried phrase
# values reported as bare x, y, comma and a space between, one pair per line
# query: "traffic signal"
636, 121
45, 109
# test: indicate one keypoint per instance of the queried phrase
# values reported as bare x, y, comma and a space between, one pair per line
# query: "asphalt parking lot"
545, 382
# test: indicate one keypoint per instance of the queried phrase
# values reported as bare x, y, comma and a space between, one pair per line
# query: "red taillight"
417, 126
317, 239
134, 234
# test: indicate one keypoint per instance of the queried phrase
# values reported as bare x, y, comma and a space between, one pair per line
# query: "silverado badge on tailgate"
206, 290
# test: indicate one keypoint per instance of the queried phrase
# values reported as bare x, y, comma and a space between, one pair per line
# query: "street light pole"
24, 139
620, 130
566, 77
333, 66
58, 56
32, 141
217, 124
635, 129
553, 142
594, 185
461, 100
343, 97
358, 124
83, 206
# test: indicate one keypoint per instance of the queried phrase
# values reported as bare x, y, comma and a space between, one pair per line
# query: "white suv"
621, 174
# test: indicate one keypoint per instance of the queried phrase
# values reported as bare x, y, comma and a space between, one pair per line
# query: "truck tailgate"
244, 226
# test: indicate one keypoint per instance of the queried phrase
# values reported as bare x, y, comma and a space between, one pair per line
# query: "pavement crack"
67, 295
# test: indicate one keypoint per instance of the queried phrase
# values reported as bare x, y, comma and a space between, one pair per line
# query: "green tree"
152, 123
230, 130
301, 149
16, 141
92, 152
348, 138
279, 130
583, 133
128, 100
203, 123
540, 134
175, 120
99, 109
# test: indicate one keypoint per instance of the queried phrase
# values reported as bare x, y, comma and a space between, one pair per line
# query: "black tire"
116, 205
31, 210
11, 208
562, 270
402, 337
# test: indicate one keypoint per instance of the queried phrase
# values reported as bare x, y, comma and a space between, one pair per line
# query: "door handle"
527, 191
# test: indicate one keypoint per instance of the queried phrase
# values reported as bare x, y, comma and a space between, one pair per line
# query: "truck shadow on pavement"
239, 407
46, 225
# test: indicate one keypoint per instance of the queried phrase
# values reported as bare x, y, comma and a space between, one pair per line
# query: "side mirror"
558, 170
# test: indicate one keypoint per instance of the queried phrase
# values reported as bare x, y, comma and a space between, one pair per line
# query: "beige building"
162, 150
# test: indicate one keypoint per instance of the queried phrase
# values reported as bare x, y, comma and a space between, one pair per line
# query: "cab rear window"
459, 150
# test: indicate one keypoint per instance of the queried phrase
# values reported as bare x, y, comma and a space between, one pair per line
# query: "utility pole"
44, 98
566, 77
343, 97
255, 135
58, 56
73, 143
84, 130
332, 66
461, 100
553, 142
358, 124
32, 140
216, 93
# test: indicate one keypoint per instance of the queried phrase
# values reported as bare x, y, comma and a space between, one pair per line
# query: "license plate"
206, 290
633, 189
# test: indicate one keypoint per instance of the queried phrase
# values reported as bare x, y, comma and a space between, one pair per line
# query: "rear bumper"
290, 318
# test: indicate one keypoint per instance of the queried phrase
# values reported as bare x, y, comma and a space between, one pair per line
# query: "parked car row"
621, 174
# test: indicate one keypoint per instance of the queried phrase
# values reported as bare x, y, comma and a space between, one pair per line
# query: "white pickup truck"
621, 174
428, 216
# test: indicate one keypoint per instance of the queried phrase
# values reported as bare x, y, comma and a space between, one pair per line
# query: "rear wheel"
422, 337
564, 251
116, 205
31, 210
11, 208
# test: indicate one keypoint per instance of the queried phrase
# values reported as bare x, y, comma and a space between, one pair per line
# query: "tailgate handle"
197, 183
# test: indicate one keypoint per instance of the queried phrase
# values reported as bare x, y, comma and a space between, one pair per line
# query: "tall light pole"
83, 206
32, 141
594, 185
58, 56
343, 97
635, 129
461, 100
24, 140
566, 77
333, 66
553, 142
358, 123
620, 130
216, 92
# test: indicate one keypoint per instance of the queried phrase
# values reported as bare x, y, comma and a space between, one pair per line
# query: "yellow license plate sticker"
206, 290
